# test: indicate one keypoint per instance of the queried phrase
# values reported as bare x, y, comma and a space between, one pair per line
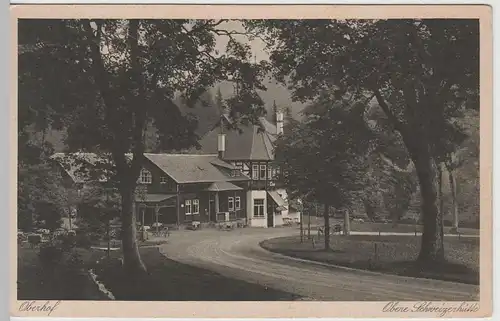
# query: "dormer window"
145, 177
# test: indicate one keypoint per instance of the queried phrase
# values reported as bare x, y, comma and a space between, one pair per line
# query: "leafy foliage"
422, 73
324, 158
106, 81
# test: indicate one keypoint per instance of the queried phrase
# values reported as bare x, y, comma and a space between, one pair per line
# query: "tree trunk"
301, 228
309, 224
131, 257
432, 248
453, 186
326, 217
439, 169
347, 225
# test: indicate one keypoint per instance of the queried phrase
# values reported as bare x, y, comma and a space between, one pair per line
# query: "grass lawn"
381, 227
35, 283
168, 280
395, 255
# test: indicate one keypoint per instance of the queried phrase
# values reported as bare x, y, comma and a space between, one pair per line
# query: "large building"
233, 177
250, 148
173, 189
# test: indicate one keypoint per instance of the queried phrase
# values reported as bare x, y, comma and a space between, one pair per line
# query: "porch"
226, 202
155, 210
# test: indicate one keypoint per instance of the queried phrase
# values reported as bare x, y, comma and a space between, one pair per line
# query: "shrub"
83, 240
50, 254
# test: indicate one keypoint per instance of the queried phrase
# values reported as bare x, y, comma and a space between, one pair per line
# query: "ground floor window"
187, 205
258, 207
230, 203
237, 203
196, 206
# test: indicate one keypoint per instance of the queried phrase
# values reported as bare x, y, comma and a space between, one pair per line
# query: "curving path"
237, 254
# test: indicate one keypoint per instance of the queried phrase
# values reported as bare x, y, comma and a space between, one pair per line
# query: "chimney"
279, 123
221, 145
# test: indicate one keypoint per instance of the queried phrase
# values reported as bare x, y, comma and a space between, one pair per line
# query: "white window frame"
196, 206
230, 203
239, 165
261, 206
262, 168
163, 180
255, 171
187, 205
237, 203
145, 177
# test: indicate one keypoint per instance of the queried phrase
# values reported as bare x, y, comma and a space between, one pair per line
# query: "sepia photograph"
224, 159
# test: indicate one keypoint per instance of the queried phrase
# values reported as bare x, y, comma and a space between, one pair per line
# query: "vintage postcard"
251, 161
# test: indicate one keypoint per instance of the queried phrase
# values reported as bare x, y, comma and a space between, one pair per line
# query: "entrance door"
270, 218
211, 210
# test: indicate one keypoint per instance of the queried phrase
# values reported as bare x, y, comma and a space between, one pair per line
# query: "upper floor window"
262, 171
239, 165
145, 177
163, 180
255, 171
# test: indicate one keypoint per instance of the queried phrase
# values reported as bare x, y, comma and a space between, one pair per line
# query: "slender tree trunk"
347, 225
432, 248
301, 228
131, 258
326, 216
439, 168
309, 224
453, 186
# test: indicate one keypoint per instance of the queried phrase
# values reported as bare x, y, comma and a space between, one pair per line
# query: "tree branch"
101, 78
139, 100
398, 125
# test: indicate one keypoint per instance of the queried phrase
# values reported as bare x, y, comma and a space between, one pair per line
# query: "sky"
257, 46
276, 93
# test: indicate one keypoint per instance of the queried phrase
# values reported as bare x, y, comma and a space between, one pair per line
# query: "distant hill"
208, 115
275, 93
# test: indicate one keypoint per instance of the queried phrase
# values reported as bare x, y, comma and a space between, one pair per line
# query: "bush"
83, 240
50, 254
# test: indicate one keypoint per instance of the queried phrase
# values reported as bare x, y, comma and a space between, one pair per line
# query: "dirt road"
237, 254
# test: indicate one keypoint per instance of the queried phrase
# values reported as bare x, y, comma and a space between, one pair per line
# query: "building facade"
234, 176
250, 148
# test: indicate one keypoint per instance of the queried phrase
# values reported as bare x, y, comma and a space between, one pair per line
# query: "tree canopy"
105, 81
422, 73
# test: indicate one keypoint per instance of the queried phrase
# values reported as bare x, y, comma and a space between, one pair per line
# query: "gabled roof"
248, 142
189, 168
183, 168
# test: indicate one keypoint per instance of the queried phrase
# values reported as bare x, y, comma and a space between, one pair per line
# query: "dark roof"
189, 168
152, 198
223, 186
248, 142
